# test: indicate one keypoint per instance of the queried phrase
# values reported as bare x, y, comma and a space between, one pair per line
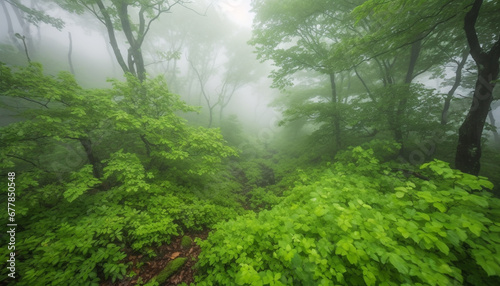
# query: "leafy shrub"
87, 239
261, 198
363, 223
128, 190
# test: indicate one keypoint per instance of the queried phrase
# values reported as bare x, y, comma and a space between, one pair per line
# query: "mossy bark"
170, 269
186, 242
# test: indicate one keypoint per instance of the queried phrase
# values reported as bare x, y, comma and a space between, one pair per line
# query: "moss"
170, 269
186, 242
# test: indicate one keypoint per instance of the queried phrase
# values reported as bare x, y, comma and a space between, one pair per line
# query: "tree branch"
470, 31
112, 38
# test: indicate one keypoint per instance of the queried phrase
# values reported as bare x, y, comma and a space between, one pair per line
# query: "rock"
186, 242
170, 269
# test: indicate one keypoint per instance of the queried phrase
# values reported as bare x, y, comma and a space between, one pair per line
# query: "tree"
220, 64
469, 147
296, 35
119, 15
26, 17
403, 24
141, 113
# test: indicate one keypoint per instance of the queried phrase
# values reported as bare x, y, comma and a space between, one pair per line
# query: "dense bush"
363, 222
87, 239
132, 185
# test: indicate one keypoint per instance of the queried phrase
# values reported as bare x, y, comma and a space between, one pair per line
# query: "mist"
204, 33
236, 142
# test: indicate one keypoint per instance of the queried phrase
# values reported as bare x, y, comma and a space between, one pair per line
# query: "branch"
94, 12
364, 84
470, 31
423, 36
143, 30
112, 38
191, 9
25, 160
37, 102
202, 85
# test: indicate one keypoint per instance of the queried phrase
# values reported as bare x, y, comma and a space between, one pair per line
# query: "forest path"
146, 269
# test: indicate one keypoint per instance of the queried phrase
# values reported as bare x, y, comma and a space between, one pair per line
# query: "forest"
249, 142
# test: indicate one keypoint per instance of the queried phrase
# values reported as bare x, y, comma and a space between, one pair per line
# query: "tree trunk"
496, 136
456, 84
336, 115
402, 104
25, 25
135, 59
468, 155
10, 29
93, 159
71, 69
221, 110
210, 116
112, 37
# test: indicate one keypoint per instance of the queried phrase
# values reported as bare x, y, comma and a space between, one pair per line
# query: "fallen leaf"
174, 255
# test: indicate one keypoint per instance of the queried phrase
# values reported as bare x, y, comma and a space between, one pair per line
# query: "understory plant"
363, 222
101, 173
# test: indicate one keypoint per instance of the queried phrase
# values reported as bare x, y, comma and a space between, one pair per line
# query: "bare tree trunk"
112, 36
456, 84
10, 28
71, 69
205, 95
135, 59
495, 128
336, 115
468, 155
26, 28
402, 105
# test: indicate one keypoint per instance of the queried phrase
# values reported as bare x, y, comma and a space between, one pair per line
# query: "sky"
238, 11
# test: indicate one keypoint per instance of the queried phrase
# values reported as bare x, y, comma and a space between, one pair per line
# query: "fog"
205, 33
249, 142
201, 49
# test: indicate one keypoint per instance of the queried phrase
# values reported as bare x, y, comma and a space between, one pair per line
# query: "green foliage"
91, 236
261, 198
358, 222
297, 36
36, 17
126, 190
128, 172
81, 181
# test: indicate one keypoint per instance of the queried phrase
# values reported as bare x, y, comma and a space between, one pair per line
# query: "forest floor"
147, 270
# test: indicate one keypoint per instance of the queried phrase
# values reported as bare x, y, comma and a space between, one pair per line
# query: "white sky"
238, 11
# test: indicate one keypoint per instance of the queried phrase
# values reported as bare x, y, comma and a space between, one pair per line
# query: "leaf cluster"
358, 222
103, 173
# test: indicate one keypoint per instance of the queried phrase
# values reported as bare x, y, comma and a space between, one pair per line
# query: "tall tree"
296, 35
468, 155
118, 16
404, 23
25, 18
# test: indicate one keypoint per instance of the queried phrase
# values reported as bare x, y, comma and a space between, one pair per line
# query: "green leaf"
442, 247
319, 211
369, 277
440, 207
403, 232
399, 263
